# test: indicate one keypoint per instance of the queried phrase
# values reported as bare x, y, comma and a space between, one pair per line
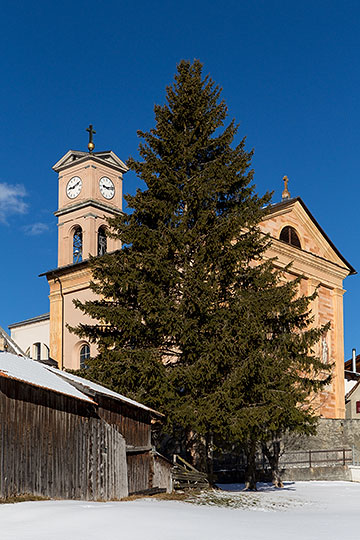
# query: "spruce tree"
162, 298
191, 318
278, 372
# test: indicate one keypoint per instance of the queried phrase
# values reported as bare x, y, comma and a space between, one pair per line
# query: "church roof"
60, 270
271, 209
38, 318
107, 157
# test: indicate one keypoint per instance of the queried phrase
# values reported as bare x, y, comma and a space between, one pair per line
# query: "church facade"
297, 239
90, 191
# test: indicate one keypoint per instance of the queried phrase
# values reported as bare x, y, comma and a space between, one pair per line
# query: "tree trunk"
250, 471
209, 438
196, 450
273, 459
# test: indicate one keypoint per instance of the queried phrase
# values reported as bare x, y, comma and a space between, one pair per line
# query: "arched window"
102, 241
290, 236
37, 351
84, 355
77, 245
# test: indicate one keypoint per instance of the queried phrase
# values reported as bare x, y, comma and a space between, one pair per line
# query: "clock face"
107, 188
73, 187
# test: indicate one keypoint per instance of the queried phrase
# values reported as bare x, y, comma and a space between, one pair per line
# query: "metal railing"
295, 459
317, 458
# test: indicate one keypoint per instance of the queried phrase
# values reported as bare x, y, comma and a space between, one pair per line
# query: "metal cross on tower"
91, 132
286, 192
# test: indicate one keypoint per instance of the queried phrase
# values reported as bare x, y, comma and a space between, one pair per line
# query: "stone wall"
317, 473
331, 434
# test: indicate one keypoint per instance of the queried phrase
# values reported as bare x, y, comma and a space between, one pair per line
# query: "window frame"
84, 356
101, 232
291, 234
77, 244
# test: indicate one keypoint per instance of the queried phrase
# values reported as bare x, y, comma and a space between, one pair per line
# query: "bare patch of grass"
174, 496
23, 498
244, 500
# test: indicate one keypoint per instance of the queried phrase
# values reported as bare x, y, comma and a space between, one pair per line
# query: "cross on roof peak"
91, 132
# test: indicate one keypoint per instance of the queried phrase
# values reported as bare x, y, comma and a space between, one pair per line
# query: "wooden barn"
62, 436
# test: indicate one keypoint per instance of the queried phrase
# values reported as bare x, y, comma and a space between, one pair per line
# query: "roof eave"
87, 400
289, 202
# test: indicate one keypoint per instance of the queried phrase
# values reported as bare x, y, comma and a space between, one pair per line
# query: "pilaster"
56, 322
337, 297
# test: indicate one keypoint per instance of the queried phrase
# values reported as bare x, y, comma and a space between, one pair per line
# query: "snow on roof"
100, 389
349, 387
15, 348
43, 376
36, 374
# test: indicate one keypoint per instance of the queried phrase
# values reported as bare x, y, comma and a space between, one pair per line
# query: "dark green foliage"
193, 320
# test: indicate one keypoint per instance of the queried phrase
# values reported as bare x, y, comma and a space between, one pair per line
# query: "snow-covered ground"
304, 510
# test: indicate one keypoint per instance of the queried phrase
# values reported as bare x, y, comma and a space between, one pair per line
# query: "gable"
313, 240
76, 157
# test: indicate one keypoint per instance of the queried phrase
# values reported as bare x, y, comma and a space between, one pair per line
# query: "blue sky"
290, 74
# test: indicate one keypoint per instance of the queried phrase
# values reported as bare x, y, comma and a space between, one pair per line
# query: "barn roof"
29, 371
94, 388
43, 376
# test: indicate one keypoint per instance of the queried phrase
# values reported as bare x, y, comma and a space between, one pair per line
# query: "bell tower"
90, 192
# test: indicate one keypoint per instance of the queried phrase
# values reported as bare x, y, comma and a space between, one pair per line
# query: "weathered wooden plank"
54, 445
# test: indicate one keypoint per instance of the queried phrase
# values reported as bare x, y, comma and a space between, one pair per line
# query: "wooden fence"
185, 475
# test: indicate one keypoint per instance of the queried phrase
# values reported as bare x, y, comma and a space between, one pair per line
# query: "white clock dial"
73, 187
107, 188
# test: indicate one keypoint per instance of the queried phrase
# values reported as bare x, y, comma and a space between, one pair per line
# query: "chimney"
354, 360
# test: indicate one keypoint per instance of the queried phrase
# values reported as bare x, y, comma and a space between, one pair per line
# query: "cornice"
296, 256
63, 270
33, 320
88, 202
79, 267
83, 157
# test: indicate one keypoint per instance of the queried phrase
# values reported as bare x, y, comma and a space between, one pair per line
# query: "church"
90, 191
297, 238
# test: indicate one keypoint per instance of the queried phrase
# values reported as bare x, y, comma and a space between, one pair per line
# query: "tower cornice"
84, 204
76, 157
